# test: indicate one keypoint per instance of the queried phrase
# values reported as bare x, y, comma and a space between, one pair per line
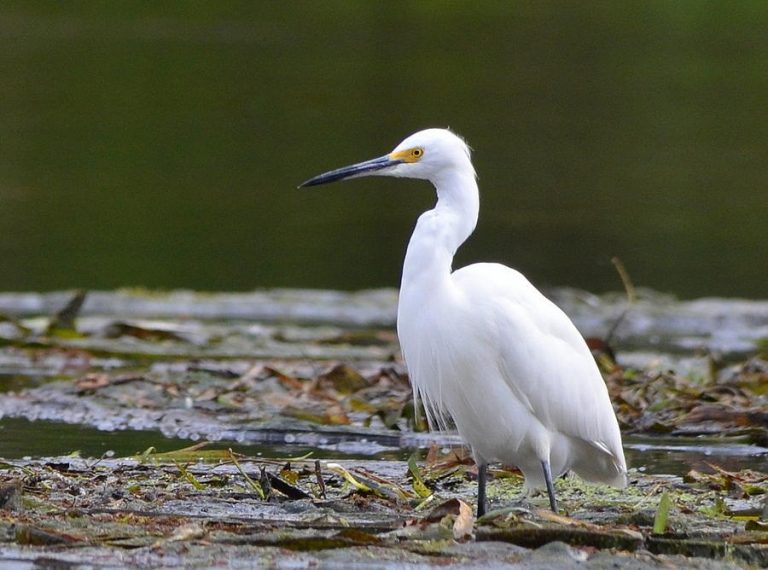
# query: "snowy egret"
484, 348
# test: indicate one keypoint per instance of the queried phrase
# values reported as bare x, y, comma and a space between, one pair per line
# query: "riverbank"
315, 455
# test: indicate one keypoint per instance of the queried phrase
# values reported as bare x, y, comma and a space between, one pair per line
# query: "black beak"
369, 167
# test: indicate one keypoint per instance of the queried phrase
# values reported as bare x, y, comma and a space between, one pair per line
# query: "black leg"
550, 486
482, 478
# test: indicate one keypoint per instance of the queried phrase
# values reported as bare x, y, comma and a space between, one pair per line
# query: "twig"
253, 484
320, 481
629, 288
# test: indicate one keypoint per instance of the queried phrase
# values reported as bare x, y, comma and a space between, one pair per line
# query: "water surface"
21, 438
161, 144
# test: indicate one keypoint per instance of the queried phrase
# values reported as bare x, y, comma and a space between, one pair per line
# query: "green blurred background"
160, 143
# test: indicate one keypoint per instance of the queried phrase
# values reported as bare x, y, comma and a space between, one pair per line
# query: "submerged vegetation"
338, 387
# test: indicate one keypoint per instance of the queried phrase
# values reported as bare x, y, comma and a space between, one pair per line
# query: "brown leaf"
207, 395
342, 378
33, 536
119, 329
357, 536
289, 382
363, 338
184, 533
464, 523
91, 382
96, 381
64, 320
721, 414
439, 512
331, 416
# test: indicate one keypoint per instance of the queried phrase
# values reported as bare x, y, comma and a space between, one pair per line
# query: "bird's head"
423, 155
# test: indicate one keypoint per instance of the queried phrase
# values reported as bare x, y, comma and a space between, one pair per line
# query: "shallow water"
676, 456
20, 438
656, 326
232, 331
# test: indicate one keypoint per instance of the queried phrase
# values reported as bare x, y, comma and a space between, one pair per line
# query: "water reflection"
161, 146
23, 438
677, 456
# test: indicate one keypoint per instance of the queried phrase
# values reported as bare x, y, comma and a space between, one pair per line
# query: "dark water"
21, 438
159, 144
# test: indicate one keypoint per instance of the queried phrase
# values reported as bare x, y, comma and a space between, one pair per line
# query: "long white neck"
440, 231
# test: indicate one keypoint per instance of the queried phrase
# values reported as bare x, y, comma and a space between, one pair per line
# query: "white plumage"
484, 348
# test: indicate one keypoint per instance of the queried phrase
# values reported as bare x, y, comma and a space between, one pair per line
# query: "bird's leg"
550, 486
482, 478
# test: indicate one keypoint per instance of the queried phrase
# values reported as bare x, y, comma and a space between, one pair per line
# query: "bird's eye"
417, 152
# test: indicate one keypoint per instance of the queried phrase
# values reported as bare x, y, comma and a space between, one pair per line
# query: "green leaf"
186, 454
662, 514
189, 477
251, 483
418, 483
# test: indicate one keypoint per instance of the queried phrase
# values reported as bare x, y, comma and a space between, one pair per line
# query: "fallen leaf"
342, 378
439, 512
183, 533
418, 483
119, 329
91, 382
63, 322
464, 523
660, 521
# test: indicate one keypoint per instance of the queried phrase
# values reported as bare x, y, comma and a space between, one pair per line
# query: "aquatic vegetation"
342, 391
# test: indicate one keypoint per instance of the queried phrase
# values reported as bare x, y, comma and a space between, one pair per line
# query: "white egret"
483, 347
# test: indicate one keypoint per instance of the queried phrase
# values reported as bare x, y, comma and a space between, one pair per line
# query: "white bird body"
485, 350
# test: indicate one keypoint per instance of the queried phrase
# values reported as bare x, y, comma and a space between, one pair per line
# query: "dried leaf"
548, 515
357, 536
291, 383
119, 329
62, 324
319, 477
33, 536
91, 382
96, 381
464, 523
439, 512
439, 466
363, 338
251, 483
289, 475
343, 378
333, 415
183, 533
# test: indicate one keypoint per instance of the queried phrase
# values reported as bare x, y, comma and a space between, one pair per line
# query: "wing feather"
543, 358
